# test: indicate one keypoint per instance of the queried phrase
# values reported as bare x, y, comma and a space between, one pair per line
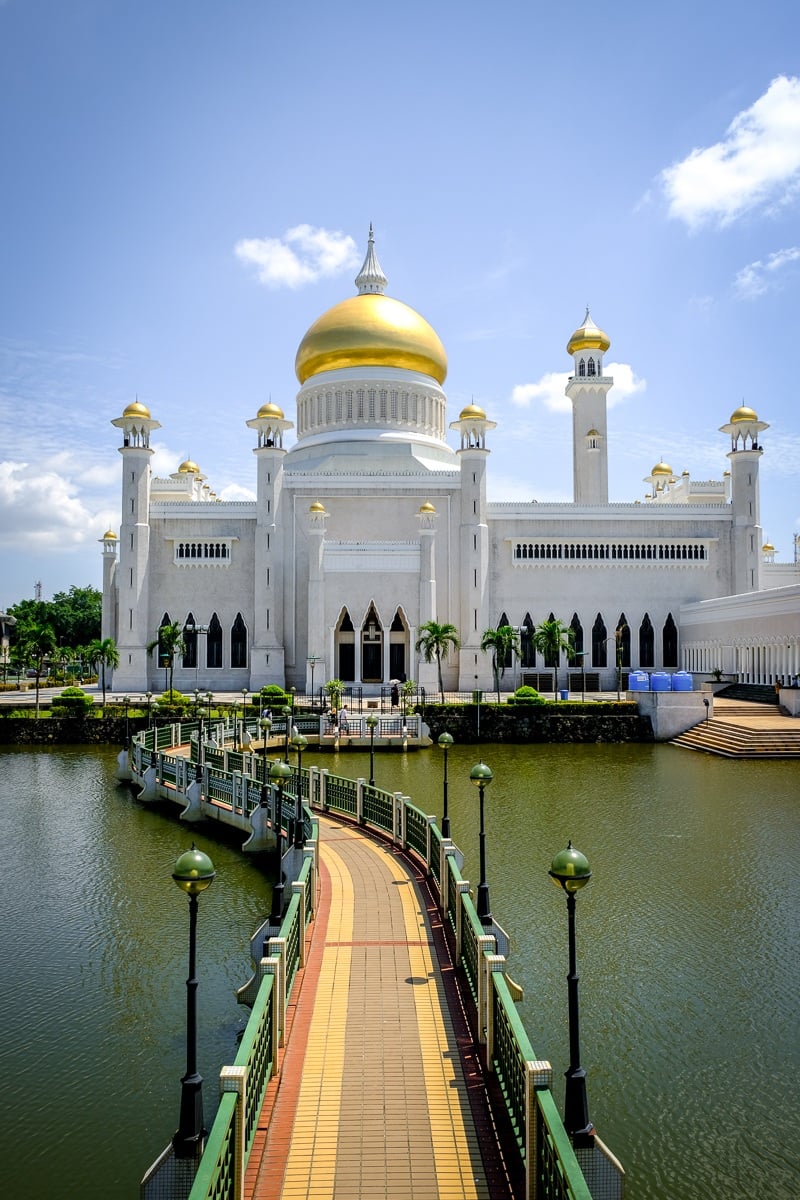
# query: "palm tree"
38, 643
103, 654
501, 641
435, 641
551, 638
169, 643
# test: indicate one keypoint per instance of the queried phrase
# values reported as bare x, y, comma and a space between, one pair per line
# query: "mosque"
372, 524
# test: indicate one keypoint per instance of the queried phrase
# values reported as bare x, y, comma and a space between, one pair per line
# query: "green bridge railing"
551, 1167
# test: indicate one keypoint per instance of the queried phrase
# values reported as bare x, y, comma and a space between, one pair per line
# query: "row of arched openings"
604, 649
214, 637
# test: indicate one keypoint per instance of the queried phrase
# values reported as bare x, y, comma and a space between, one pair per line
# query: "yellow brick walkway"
373, 1100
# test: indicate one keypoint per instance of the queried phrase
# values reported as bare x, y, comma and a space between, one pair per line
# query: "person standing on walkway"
344, 719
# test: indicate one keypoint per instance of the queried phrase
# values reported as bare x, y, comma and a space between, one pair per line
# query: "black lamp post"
372, 721
312, 661
148, 697
193, 873
570, 870
280, 773
481, 776
299, 741
196, 701
445, 741
287, 716
244, 710
209, 698
126, 702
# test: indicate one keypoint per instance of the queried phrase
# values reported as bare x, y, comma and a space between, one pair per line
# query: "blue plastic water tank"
638, 681
681, 681
660, 682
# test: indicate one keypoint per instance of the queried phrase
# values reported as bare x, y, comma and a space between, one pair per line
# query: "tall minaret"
133, 570
474, 667
108, 614
587, 388
267, 660
746, 535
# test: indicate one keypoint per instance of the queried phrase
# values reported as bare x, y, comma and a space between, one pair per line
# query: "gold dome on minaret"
371, 330
588, 337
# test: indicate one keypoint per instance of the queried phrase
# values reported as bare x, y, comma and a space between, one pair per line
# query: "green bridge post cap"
194, 871
570, 869
280, 772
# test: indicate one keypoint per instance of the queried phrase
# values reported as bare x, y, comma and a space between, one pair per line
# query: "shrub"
273, 696
526, 695
73, 702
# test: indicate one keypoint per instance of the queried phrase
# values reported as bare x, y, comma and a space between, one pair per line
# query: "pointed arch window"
189, 642
372, 648
509, 658
599, 642
398, 647
590, 368
647, 642
552, 660
575, 657
214, 644
239, 642
670, 642
163, 653
581, 369
346, 648
622, 637
528, 655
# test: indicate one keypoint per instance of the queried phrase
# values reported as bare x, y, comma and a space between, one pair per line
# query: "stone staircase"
745, 730
754, 693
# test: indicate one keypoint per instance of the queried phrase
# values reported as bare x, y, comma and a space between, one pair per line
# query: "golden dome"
189, 468
588, 337
768, 548
316, 507
135, 409
270, 410
593, 433
371, 330
110, 536
472, 410
743, 414
427, 507
661, 468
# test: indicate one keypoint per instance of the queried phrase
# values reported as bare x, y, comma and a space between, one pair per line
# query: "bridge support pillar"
538, 1075
462, 888
486, 945
493, 962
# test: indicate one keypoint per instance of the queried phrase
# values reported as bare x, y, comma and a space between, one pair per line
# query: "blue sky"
188, 185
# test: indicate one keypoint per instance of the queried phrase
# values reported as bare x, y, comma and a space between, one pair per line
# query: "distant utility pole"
37, 590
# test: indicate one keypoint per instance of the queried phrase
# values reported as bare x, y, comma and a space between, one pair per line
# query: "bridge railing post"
538, 1074
430, 822
446, 849
234, 1079
397, 817
462, 889
492, 962
486, 945
323, 788
299, 890
276, 948
360, 800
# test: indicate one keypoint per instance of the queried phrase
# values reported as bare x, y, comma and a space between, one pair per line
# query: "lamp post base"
190, 1138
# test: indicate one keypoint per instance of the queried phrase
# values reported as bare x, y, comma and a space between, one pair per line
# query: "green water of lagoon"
687, 952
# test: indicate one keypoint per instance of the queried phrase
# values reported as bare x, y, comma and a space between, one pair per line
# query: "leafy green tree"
434, 642
103, 654
169, 643
502, 642
38, 644
552, 638
75, 615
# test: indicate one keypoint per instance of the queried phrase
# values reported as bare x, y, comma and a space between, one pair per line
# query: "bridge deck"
380, 1092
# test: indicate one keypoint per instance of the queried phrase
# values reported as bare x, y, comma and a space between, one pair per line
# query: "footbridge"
384, 1055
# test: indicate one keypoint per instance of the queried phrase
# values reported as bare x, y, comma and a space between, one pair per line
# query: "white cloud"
762, 275
303, 255
550, 388
235, 491
756, 165
40, 509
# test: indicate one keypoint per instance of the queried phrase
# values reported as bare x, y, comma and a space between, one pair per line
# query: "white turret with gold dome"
371, 370
588, 389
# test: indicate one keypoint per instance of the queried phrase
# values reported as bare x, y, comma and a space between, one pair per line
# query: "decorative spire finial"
371, 279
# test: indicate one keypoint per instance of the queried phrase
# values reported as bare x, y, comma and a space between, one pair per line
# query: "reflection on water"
687, 950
